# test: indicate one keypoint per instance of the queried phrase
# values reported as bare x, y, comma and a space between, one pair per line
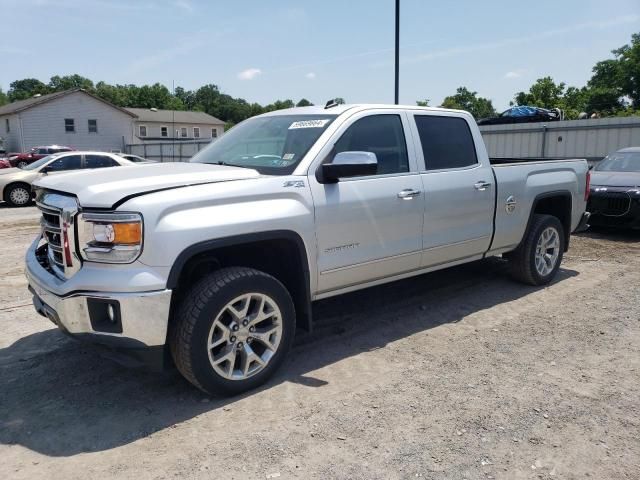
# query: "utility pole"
397, 93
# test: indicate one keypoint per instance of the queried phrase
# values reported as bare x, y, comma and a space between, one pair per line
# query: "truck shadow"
59, 398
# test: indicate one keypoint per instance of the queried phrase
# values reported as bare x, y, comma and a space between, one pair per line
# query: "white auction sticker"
309, 124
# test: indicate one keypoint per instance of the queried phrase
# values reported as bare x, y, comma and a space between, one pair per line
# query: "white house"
80, 120
73, 118
151, 124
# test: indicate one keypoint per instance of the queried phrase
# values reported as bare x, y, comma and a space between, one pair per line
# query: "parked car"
135, 158
21, 160
15, 183
615, 190
218, 260
4, 163
524, 114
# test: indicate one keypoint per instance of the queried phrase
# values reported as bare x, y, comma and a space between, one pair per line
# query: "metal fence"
591, 139
167, 151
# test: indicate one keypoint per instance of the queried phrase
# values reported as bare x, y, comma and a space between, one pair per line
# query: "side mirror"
348, 164
45, 170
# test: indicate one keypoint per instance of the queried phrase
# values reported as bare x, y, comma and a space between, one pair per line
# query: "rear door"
369, 227
459, 189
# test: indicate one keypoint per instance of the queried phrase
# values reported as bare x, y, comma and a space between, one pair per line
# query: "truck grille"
57, 223
51, 224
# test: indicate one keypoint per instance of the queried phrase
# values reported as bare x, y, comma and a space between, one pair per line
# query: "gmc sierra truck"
214, 263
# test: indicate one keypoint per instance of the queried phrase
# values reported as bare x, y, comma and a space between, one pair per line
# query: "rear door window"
99, 161
446, 142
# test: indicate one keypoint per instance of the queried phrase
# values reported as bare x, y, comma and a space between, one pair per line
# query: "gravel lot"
455, 374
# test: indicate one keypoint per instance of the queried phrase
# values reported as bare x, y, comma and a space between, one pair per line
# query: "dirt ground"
460, 374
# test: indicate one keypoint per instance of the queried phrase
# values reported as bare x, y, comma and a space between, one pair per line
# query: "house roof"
20, 105
174, 116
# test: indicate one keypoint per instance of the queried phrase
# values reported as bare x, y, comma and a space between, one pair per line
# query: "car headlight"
110, 237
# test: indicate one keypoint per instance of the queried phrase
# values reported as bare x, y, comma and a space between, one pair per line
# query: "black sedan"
615, 190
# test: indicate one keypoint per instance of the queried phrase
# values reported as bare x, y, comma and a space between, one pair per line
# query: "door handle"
482, 185
408, 193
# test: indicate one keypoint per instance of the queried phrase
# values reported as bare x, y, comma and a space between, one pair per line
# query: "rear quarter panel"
528, 181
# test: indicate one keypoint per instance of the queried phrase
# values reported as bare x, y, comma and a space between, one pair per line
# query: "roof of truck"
339, 109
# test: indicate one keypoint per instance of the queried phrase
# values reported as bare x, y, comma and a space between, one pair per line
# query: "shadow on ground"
59, 398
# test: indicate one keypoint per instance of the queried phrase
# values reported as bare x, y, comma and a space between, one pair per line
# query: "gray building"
73, 118
154, 125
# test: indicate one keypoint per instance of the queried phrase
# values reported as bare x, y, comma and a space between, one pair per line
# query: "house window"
164, 132
183, 132
214, 133
142, 131
196, 132
7, 125
93, 126
69, 125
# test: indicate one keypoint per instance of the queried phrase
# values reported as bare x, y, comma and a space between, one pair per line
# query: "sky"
263, 50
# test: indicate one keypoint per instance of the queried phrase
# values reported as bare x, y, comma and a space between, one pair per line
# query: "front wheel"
18, 195
232, 330
537, 260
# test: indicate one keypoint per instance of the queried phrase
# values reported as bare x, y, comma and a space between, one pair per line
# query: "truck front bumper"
131, 323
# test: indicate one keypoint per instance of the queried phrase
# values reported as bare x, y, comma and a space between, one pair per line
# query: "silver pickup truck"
215, 263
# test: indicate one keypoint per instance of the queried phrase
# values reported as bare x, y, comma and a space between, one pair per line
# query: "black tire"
17, 191
523, 259
189, 333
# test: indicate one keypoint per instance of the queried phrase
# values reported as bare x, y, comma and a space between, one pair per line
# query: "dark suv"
21, 160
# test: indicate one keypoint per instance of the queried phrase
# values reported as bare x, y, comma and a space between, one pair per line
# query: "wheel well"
281, 257
558, 205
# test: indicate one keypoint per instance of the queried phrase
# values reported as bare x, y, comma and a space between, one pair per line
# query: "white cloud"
185, 5
310, 75
514, 74
249, 73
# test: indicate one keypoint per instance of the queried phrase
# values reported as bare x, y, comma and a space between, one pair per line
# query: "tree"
304, 103
339, 100
26, 88
464, 99
423, 103
544, 93
3, 98
58, 84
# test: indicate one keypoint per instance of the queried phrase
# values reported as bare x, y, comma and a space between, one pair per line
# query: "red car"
21, 160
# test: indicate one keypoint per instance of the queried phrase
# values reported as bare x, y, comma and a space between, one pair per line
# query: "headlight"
110, 237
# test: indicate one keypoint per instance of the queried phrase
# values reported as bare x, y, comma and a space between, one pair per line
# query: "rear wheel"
538, 258
22, 164
233, 330
18, 195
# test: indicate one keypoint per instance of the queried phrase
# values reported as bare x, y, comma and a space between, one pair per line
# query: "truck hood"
615, 179
103, 188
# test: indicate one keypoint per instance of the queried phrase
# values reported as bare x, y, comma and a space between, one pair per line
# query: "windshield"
620, 162
37, 164
273, 145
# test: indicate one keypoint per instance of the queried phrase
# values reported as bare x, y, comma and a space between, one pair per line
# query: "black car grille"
610, 203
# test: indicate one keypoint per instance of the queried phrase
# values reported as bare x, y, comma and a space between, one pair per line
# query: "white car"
15, 183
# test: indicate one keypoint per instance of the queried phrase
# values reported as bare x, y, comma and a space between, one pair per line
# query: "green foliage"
3, 98
464, 99
58, 84
26, 88
304, 103
423, 103
543, 93
339, 101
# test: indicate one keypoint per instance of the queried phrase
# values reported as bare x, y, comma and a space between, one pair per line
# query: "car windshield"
273, 145
37, 164
620, 162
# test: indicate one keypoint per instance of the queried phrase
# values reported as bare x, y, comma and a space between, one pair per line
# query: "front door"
370, 227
